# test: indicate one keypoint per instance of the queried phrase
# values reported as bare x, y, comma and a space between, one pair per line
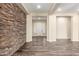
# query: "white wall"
75, 28
29, 28
39, 27
63, 27
51, 28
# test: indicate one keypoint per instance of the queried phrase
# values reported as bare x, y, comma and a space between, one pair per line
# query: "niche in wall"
63, 27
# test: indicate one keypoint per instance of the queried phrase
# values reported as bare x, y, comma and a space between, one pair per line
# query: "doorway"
63, 27
39, 30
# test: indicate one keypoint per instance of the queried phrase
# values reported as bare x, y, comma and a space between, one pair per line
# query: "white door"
63, 27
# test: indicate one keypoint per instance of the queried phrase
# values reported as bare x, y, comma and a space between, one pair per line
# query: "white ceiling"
32, 7
66, 7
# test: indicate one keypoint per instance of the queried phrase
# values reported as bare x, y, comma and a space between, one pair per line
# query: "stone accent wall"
12, 28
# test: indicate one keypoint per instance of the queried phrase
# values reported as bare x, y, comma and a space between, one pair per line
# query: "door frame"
74, 30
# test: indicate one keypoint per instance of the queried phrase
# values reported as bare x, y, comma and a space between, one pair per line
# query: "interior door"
63, 27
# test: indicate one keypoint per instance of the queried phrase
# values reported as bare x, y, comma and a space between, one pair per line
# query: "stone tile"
58, 48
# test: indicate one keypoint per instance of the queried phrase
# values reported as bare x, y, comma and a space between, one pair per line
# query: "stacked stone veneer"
12, 28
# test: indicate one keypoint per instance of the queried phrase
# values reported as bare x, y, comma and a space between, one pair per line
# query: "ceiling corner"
52, 8
26, 9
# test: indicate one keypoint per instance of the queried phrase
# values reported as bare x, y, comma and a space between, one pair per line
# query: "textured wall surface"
12, 28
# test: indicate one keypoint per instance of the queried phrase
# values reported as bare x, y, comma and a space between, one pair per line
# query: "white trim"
22, 8
39, 14
74, 21
52, 7
28, 11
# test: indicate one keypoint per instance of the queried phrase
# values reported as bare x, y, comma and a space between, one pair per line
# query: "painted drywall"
75, 28
63, 27
51, 28
39, 27
29, 28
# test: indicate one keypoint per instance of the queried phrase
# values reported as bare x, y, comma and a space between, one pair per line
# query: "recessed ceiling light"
59, 9
39, 18
38, 6
77, 9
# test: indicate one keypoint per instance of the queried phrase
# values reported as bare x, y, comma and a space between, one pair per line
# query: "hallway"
39, 29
